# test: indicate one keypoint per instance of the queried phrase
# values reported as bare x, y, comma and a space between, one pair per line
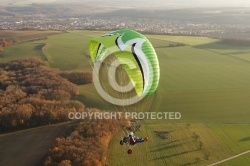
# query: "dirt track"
230, 158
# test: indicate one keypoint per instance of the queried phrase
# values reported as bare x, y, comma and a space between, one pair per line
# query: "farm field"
206, 81
182, 148
26, 35
29, 147
235, 137
184, 84
25, 50
235, 52
189, 40
70, 53
242, 160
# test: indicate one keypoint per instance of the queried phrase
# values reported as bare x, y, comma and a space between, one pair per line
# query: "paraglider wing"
131, 49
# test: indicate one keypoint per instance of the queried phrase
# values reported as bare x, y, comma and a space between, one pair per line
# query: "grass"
242, 161
235, 137
92, 100
26, 50
240, 52
204, 86
182, 148
69, 51
189, 40
26, 35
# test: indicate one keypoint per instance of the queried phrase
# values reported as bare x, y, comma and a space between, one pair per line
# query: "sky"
175, 3
196, 3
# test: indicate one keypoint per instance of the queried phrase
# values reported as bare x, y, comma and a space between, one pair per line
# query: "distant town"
144, 25
63, 17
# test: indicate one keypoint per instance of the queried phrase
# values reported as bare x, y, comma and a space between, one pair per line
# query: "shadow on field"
166, 46
245, 139
173, 155
38, 46
172, 142
162, 148
236, 53
219, 45
166, 148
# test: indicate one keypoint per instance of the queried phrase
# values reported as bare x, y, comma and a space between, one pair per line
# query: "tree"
207, 155
197, 159
65, 163
5, 43
1, 48
87, 145
33, 94
195, 136
200, 145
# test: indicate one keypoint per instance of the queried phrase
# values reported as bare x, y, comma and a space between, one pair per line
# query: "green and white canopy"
129, 46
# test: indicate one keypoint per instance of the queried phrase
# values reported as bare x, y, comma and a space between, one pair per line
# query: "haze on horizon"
176, 3
145, 3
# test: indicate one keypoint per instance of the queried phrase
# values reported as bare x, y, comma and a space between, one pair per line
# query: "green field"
181, 148
238, 161
25, 50
235, 137
235, 52
189, 40
26, 35
207, 81
70, 53
205, 86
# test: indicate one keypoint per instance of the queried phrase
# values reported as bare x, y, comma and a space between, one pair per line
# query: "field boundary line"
228, 55
47, 57
230, 158
211, 50
34, 128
